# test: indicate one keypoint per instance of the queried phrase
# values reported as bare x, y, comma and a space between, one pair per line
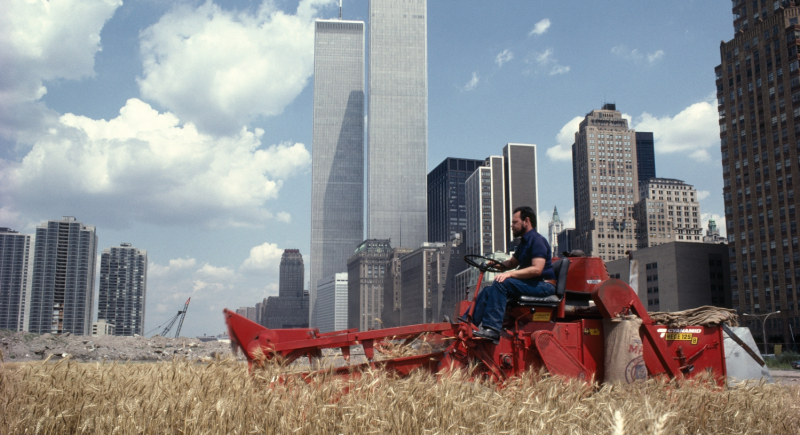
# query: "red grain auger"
568, 333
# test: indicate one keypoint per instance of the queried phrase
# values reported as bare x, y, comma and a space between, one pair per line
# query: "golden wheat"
221, 397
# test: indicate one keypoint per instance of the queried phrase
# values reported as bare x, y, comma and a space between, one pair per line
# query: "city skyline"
211, 205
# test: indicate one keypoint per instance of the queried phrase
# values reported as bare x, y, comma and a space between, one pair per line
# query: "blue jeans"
490, 308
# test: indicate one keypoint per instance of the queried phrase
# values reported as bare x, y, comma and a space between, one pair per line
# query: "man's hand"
502, 276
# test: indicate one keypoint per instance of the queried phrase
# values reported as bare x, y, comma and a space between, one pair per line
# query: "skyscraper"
123, 289
332, 309
366, 271
337, 192
667, 211
553, 228
758, 104
16, 267
398, 122
645, 156
447, 213
486, 209
62, 293
290, 308
521, 175
606, 184
292, 272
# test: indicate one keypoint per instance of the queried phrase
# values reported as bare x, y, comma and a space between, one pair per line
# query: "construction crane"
182, 315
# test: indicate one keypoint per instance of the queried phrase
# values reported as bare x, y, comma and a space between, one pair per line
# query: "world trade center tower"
397, 146
337, 192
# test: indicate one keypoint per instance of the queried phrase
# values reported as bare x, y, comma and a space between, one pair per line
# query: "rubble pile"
25, 346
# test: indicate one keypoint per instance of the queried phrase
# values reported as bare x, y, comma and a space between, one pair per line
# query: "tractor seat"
560, 268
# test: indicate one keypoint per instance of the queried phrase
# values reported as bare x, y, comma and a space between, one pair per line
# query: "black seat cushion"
560, 268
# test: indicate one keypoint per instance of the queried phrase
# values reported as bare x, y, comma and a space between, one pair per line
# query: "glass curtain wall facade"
447, 207
16, 267
758, 97
398, 122
645, 156
123, 288
62, 292
337, 196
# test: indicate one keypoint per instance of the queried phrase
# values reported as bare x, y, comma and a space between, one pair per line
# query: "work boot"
487, 333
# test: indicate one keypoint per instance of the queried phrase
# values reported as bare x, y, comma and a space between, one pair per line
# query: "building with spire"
554, 227
712, 233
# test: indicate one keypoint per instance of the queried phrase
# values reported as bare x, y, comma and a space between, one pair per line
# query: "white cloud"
143, 166
219, 68
217, 273
44, 41
545, 62
652, 57
637, 56
540, 27
472, 83
177, 264
694, 130
263, 258
565, 138
702, 194
503, 57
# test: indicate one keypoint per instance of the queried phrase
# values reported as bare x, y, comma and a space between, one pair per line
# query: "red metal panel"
593, 347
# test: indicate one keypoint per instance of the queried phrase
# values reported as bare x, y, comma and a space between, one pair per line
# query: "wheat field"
220, 397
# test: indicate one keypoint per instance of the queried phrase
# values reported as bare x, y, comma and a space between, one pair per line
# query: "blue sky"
184, 127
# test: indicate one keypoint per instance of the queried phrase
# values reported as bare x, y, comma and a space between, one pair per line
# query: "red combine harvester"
563, 333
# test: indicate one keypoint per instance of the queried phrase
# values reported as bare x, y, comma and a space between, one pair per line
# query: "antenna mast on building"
340, 10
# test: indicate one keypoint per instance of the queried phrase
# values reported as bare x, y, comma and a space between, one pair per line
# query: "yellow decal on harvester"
591, 331
680, 334
541, 317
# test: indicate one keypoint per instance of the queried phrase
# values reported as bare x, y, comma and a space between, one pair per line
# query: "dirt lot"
24, 346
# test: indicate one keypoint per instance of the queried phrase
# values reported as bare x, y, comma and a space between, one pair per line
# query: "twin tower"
397, 135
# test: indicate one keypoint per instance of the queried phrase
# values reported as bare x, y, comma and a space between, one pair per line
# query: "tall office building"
366, 271
392, 286
759, 107
521, 175
292, 272
486, 209
554, 227
565, 240
16, 267
332, 308
398, 122
337, 168
62, 292
712, 233
123, 289
447, 208
605, 183
423, 274
645, 156
667, 211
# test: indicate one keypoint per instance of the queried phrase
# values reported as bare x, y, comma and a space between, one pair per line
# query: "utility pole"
763, 325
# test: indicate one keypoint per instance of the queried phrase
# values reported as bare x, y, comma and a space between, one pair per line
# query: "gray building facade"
521, 181
679, 275
123, 289
447, 207
398, 122
62, 291
291, 307
332, 308
337, 192
366, 272
16, 267
486, 209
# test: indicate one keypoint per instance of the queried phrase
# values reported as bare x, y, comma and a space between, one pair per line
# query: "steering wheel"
471, 259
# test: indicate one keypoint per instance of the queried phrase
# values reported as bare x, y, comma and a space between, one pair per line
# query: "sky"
185, 127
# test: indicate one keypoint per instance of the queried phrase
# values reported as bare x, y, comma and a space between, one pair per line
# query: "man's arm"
534, 270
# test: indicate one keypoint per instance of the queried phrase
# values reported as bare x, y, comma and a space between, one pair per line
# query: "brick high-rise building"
667, 211
758, 94
62, 292
123, 289
605, 183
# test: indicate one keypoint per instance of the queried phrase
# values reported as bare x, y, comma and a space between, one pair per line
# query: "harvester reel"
471, 259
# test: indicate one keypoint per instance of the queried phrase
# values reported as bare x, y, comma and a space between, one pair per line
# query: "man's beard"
519, 233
